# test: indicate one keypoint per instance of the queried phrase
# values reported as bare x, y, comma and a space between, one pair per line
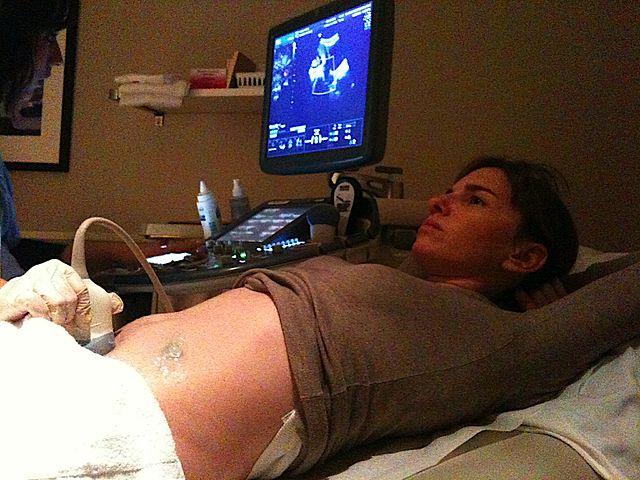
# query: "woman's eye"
475, 200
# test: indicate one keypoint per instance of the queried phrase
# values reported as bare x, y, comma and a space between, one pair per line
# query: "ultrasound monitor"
327, 88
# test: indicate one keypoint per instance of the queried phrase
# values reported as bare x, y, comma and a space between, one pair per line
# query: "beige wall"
554, 81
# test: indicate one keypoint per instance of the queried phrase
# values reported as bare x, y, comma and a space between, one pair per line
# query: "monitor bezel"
377, 100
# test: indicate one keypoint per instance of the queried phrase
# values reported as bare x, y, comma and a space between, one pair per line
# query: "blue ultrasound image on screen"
319, 85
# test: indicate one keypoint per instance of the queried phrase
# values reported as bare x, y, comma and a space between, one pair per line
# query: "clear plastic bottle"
239, 201
209, 211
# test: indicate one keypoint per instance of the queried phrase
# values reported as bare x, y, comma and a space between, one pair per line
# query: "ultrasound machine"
325, 111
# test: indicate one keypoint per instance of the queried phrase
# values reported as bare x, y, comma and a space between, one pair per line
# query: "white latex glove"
50, 290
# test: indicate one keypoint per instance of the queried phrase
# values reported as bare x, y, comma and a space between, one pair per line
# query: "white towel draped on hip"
66, 412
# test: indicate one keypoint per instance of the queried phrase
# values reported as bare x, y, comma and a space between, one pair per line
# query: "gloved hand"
51, 290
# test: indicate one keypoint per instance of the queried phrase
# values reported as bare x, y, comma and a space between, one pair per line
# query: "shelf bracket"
158, 119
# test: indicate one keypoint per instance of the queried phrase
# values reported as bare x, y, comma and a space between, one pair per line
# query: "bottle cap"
237, 188
203, 187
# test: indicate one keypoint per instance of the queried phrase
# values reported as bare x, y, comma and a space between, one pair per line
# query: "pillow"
588, 256
592, 264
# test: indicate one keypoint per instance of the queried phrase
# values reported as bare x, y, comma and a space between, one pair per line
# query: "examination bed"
589, 432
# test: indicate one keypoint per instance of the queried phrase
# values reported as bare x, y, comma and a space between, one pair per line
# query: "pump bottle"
208, 211
239, 201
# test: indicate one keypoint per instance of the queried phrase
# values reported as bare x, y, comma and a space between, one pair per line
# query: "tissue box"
200, 78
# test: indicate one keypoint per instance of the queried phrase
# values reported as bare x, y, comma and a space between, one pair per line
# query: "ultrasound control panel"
274, 233
277, 223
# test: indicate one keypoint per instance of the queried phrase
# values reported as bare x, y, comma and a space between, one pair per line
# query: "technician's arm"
104, 255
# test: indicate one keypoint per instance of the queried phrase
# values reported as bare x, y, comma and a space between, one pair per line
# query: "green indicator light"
243, 255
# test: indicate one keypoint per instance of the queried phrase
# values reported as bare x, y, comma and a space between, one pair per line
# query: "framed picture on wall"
35, 128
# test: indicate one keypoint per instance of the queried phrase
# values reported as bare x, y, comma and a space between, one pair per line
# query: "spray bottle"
239, 202
208, 211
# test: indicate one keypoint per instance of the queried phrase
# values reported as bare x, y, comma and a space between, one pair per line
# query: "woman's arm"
564, 338
556, 289
101, 255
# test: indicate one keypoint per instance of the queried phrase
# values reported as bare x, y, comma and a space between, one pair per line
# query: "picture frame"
48, 148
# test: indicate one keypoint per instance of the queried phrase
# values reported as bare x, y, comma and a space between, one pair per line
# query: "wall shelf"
222, 100
212, 101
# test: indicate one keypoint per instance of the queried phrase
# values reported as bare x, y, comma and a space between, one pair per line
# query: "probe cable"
78, 262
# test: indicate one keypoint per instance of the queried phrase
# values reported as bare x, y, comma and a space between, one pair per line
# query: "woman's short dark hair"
535, 193
22, 22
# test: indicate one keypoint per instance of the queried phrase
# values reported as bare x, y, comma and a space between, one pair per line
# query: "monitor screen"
327, 88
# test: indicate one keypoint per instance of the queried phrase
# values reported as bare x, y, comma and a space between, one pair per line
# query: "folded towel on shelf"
154, 102
179, 88
159, 79
157, 92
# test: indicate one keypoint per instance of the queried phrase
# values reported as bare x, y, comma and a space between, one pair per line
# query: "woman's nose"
439, 204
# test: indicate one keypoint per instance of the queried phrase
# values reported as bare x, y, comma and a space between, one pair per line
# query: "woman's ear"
526, 257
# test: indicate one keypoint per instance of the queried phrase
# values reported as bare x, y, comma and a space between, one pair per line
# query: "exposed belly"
221, 375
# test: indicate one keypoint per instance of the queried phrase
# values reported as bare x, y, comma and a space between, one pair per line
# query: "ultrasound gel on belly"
169, 361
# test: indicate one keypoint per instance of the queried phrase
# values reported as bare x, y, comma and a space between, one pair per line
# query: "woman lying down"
295, 365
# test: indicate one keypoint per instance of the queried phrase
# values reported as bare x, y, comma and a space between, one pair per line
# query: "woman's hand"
51, 290
541, 296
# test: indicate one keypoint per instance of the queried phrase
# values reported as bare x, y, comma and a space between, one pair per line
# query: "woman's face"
471, 229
